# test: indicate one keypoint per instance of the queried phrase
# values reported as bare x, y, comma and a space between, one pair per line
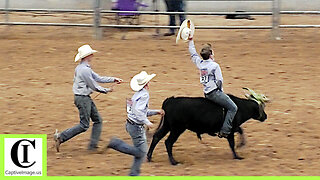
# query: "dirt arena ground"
37, 66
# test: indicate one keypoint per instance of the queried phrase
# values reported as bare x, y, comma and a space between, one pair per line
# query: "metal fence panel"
96, 12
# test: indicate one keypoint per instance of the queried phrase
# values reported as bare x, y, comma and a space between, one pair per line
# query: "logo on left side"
23, 157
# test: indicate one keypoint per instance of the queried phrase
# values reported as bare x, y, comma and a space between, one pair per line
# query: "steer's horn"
259, 97
252, 93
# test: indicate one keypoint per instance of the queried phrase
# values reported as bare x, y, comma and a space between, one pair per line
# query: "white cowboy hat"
140, 80
186, 29
83, 52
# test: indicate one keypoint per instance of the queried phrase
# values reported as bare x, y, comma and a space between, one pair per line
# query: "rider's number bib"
204, 76
129, 105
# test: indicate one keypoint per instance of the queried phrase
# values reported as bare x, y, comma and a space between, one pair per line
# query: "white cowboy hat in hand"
140, 80
186, 30
83, 52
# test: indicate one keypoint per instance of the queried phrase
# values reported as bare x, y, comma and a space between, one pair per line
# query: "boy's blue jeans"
224, 100
138, 150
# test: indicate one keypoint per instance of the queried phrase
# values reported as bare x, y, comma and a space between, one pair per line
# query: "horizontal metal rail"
153, 12
47, 10
197, 27
188, 13
300, 12
132, 26
299, 26
160, 27
45, 24
135, 12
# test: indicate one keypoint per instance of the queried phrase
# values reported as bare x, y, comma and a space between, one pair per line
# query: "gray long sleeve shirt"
86, 80
210, 72
137, 108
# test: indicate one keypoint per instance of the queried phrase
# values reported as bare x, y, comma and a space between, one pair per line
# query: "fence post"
97, 20
276, 19
7, 12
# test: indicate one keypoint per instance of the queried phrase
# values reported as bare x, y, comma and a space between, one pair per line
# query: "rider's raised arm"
193, 53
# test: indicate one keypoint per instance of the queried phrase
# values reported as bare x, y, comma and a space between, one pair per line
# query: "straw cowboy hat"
83, 52
140, 80
186, 29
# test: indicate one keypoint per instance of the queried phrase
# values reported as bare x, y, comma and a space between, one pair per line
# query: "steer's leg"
241, 138
169, 143
231, 144
158, 135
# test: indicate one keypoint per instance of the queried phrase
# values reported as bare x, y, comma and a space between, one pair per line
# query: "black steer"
202, 116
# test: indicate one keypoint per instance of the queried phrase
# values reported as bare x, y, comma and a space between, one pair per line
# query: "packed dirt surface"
37, 66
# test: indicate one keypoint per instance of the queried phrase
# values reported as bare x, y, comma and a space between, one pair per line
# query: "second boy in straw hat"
84, 83
137, 109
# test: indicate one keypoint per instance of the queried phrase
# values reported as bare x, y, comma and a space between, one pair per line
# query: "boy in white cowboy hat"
84, 83
211, 78
137, 109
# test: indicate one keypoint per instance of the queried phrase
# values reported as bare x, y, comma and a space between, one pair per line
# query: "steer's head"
260, 99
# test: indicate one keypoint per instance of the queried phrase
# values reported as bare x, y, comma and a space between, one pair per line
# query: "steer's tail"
164, 104
161, 123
